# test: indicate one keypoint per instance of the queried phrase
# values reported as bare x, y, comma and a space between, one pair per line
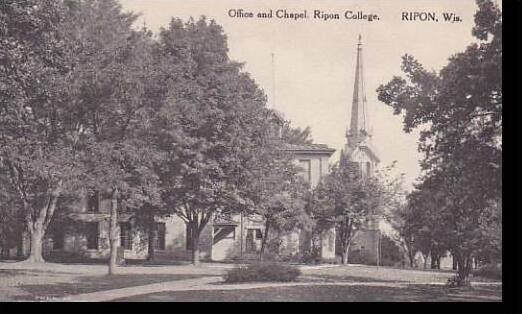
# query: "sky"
311, 78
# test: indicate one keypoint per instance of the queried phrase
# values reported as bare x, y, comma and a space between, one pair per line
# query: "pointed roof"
359, 120
358, 135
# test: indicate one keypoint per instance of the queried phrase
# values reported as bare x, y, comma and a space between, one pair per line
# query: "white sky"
315, 60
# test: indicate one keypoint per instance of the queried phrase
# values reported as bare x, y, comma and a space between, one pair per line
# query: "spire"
359, 134
359, 120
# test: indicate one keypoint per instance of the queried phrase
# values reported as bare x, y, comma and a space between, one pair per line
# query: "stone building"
237, 236
233, 237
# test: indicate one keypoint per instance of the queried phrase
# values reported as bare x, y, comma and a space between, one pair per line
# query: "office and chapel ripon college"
238, 236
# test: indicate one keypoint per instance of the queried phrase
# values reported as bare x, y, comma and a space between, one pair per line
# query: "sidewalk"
211, 283
108, 295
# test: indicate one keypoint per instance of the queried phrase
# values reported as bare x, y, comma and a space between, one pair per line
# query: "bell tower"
360, 151
359, 148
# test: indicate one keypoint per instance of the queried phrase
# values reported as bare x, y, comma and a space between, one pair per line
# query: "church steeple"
358, 135
359, 120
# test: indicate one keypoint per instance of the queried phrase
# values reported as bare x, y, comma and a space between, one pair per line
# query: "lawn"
373, 273
50, 281
36, 286
315, 293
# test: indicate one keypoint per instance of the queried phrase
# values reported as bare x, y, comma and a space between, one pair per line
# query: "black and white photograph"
251, 151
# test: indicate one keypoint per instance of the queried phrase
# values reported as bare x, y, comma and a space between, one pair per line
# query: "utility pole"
241, 231
273, 82
379, 249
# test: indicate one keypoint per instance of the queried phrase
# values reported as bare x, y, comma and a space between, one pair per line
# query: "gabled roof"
365, 146
309, 148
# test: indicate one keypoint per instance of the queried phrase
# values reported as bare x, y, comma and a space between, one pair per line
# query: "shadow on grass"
86, 284
412, 293
335, 278
318, 279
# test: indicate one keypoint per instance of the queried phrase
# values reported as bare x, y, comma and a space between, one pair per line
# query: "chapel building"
359, 150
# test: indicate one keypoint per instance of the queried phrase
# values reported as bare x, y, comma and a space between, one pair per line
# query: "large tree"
403, 222
345, 199
117, 94
11, 217
461, 111
39, 148
209, 127
275, 191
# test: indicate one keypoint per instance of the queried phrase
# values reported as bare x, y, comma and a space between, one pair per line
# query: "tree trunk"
263, 241
455, 264
35, 254
346, 252
195, 247
151, 238
433, 263
150, 248
113, 233
20, 246
463, 268
38, 227
411, 257
5, 250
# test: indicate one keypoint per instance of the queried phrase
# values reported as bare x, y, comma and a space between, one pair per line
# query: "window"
125, 236
93, 202
259, 234
58, 240
368, 169
159, 236
306, 171
92, 234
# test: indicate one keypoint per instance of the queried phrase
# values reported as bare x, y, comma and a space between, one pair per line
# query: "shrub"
312, 256
291, 258
390, 252
492, 271
260, 272
456, 281
360, 257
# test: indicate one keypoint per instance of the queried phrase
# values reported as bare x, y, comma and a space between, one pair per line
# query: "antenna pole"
273, 82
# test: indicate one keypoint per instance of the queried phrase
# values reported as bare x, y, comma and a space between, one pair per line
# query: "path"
212, 283
319, 275
108, 295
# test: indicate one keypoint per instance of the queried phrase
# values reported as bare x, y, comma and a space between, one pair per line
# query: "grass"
260, 272
59, 280
86, 284
315, 293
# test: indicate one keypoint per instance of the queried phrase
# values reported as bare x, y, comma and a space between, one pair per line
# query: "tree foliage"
461, 108
166, 125
347, 200
213, 123
297, 135
38, 147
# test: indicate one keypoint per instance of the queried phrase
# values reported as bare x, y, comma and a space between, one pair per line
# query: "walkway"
108, 295
213, 283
